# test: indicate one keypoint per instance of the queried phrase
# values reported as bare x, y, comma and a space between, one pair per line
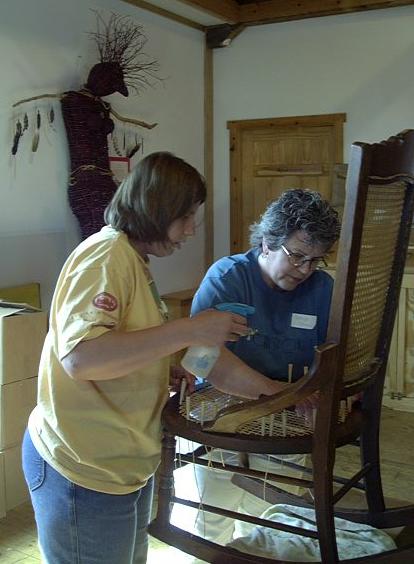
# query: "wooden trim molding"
323, 119
208, 158
165, 13
236, 219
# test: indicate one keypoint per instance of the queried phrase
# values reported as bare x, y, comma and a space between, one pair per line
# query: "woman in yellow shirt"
93, 440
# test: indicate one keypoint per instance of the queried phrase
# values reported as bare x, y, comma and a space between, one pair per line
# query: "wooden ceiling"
222, 20
247, 12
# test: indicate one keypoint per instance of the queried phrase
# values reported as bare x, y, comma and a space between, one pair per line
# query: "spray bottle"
199, 360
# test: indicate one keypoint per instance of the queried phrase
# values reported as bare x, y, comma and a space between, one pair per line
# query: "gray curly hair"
296, 210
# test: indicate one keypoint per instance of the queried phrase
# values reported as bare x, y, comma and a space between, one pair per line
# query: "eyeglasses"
298, 260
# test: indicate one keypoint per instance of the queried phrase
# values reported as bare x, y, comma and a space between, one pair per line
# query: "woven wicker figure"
88, 123
87, 119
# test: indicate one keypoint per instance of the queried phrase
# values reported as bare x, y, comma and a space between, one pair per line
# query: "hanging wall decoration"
123, 66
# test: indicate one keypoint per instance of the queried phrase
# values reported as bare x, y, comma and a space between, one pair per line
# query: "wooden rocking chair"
372, 250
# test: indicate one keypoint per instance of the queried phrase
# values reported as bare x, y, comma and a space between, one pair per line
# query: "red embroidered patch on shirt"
105, 301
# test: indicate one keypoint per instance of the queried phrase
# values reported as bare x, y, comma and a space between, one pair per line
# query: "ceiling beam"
276, 11
228, 10
165, 13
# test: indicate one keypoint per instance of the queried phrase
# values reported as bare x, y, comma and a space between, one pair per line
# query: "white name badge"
303, 321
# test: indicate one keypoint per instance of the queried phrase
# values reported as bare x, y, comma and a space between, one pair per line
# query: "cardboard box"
17, 401
22, 333
24, 293
15, 487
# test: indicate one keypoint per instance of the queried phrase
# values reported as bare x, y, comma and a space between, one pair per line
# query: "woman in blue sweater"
281, 277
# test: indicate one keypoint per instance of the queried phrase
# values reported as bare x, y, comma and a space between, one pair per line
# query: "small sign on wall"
120, 167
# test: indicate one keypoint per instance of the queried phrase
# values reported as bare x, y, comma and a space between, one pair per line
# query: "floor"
18, 533
18, 542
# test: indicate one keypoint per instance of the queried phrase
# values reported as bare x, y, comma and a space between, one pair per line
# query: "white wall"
360, 64
44, 49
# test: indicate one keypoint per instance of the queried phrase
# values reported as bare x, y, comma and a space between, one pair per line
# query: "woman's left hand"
177, 374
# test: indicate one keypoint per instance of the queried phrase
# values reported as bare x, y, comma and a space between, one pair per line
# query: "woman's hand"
177, 375
214, 328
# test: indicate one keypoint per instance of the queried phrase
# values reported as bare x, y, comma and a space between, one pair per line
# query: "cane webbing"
379, 238
203, 406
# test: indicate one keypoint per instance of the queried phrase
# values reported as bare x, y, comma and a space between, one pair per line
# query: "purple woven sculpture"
87, 116
88, 123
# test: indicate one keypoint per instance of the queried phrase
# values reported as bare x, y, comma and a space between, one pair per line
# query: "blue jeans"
81, 526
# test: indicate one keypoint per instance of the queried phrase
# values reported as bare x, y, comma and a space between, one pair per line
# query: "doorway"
268, 156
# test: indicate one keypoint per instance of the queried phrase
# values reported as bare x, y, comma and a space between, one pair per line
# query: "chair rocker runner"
371, 256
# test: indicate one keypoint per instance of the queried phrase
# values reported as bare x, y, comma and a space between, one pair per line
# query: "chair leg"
323, 462
166, 484
370, 453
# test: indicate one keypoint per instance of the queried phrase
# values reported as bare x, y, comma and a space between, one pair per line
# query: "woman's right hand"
214, 328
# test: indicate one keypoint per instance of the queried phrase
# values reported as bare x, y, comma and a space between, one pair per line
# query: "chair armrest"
230, 419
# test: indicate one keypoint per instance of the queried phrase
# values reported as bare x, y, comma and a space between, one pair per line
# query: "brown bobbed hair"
160, 189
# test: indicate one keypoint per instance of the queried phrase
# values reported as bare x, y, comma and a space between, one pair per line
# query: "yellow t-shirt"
103, 434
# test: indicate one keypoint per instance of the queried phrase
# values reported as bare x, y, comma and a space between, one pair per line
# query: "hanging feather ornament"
132, 146
51, 118
25, 122
36, 136
134, 149
115, 144
17, 136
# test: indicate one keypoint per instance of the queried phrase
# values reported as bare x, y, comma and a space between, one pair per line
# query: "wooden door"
268, 156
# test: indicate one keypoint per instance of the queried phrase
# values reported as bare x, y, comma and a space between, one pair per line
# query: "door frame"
236, 129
